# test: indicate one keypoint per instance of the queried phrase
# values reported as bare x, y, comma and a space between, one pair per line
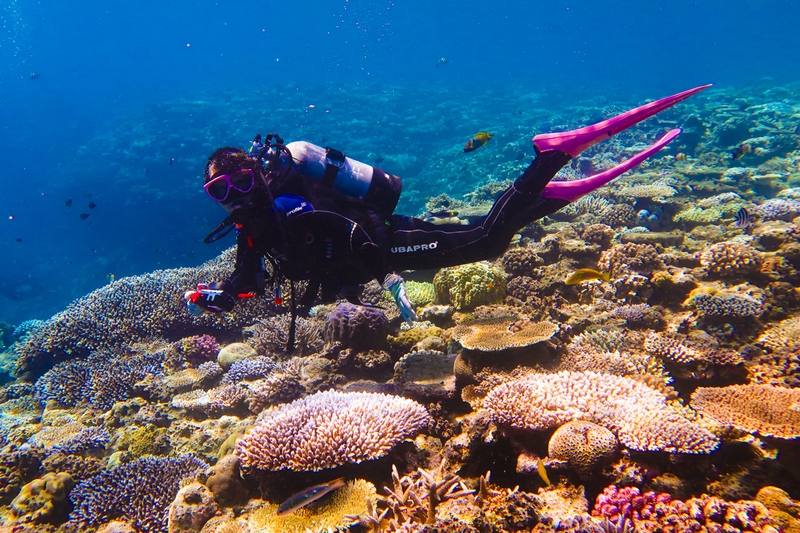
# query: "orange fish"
478, 140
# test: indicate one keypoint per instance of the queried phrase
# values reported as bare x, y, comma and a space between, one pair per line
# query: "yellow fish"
478, 140
543, 472
586, 274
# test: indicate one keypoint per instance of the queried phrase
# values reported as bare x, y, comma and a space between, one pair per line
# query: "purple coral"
199, 349
356, 326
86, 440
250, 369
101, 380
778, 209
139, 493
727, 307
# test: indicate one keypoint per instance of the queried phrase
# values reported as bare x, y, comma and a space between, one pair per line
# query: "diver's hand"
208, 298
397, 288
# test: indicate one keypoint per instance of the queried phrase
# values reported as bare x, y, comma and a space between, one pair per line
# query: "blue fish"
743, 218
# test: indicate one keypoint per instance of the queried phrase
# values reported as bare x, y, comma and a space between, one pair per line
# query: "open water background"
122, 88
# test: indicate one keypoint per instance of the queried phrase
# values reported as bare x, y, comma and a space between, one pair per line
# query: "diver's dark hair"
228, 159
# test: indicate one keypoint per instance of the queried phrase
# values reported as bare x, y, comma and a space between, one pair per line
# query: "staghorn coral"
730, 259
493, 335
639, 416
119, 313
626, 509
101, 380
138, 492
270, 335
85, 440
470, 285
764, 409
329, 429
356, 326
585, 446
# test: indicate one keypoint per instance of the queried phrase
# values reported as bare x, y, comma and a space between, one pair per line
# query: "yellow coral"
329, 514
409, 338
468, 286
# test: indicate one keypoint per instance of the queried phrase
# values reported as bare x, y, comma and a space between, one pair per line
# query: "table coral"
764, 409
330, 429
497, 334
470, 285
637, 414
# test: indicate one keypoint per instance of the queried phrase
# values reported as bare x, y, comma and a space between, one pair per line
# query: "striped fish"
743, 218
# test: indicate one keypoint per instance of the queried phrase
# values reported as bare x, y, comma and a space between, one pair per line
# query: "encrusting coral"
637, 414
329, 429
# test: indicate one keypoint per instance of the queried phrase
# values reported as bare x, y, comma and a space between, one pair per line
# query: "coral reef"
585, 446
493, 335
329, 429
356, 326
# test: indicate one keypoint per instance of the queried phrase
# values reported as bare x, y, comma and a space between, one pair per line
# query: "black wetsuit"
338, 246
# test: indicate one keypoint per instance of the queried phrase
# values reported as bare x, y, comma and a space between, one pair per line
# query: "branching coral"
763, 409
730, 259
640, 416
330, 429
132, 309
683, 350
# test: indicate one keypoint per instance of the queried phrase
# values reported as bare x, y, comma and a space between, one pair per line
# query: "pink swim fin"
576, 141
572, 190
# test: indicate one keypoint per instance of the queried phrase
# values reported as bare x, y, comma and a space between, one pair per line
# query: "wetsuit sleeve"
248, 273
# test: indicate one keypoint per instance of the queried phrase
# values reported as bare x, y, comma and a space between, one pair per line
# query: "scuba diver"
318, 216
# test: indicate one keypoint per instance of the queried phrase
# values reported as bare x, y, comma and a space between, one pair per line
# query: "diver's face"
231, 190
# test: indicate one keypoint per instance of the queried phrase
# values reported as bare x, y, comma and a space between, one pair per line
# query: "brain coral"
584, 445
764, 409
492, 335
130, 309
730, 259
356, 326
468, 286
330, 429
640, 416
139, 492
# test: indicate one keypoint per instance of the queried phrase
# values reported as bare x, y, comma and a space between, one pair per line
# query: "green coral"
698, 215
406, 339
468, 286
147, 440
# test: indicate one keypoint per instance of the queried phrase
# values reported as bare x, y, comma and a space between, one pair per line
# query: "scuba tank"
352, 179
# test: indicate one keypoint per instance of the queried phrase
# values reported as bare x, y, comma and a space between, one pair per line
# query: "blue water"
125, 88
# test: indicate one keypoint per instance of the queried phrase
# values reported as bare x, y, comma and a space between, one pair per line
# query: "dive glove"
209, 298
397, 288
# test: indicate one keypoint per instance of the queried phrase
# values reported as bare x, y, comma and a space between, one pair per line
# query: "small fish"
442, 213
33, 76
110, 277
83, 216
586, 274
171, 160
743, 218
68, 202
309, 495
442, 61
478, 140
543, 472
19, 239
380, 159
92, 205
740, 150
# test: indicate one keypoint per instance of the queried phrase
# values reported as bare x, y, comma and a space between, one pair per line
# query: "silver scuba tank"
353, 179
